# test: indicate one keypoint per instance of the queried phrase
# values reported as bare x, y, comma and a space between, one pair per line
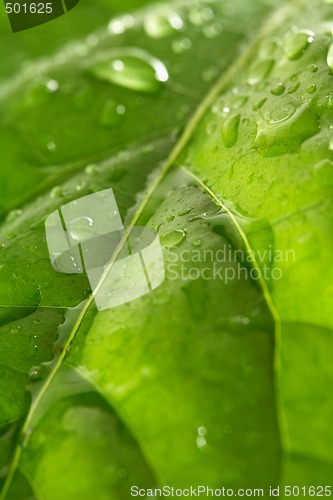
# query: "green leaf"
218, 137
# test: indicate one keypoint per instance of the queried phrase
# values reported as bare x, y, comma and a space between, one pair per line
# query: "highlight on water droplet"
132, 68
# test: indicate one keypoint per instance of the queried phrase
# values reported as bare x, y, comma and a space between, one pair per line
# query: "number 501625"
28, 8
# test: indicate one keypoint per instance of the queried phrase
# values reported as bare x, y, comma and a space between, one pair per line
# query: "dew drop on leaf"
13, 215
162, 24
110, 115
15, 329
134, 69
92, 169
260, 70
297, 42
81, 228
173, 238
57, 192
230, 131
311, 88
278, 89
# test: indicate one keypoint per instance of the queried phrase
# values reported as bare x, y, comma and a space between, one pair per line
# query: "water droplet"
81, 228
182, 45
293, 88
278, 89
51, 145
197, 243
311, 88
92, 169
184, 212
35, 373
173, 238
162, 24
15, 329
13, 215
9, 235
134, 69
33, 348
286, 129
57, 192
170, 218
111, 114
37, 321
313, 68
230, 131
257, 105
260, 70
297, 42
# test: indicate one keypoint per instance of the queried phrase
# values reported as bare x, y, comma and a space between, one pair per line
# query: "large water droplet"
260, 70
297, 42
162, 24
230, 131
275, 137
278, 89
173, 238
134, 69
81, 228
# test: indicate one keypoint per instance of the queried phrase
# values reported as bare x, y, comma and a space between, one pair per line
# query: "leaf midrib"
273, 21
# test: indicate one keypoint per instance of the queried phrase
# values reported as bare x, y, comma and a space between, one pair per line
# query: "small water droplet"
313, 68
173, 238
37, 321
134, 69
35, 373
257, 105
13, 215
293, 88
278, 89
184, 212
15, 329
311, 88
297, 42
110, 115
33, 348
230, 131
197, 243
92, 169
170, 218
57, 192
260, 70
